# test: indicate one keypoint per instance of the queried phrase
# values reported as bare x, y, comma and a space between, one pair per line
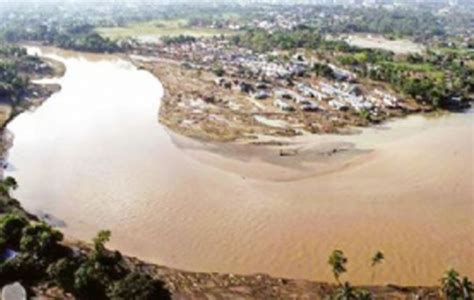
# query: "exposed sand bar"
95, 156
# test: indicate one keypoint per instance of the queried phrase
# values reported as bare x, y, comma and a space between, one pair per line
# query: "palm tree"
451, 285
364, 295
377, 259
467, 288
338, 262
345, 292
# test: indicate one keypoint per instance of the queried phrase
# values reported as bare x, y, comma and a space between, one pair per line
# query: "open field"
152, 30
401, 46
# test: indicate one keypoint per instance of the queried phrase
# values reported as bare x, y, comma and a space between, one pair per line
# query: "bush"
89, 282
180, 39
41, 240
218, 71
62, 273
11, 227
23, 267
137, 286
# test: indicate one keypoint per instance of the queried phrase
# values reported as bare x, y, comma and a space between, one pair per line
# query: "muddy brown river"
94, 156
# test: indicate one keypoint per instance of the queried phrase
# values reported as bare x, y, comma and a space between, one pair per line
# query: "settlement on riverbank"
219, 90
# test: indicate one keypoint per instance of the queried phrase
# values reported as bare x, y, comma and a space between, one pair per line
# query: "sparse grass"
158, 28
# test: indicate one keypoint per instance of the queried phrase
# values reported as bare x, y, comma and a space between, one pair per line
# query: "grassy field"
152, 30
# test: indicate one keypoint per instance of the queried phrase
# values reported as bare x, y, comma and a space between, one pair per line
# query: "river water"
94, 156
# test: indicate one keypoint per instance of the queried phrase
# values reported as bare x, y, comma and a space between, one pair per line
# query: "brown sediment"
213, 208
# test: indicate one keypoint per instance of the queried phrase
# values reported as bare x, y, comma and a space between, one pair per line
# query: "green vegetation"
338, 262
377, 259
345, 291
16, 69
452, 286
81, 38
180, 39
161, 28
455, 288
262, 41
137, 286
323, 70
42, 258
433, 78
402, 22
91, 42
12, 85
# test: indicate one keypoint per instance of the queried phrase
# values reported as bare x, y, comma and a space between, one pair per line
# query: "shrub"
41, 240
218, 71
62, 273
89, 282
137, 286
23, 267
11, 227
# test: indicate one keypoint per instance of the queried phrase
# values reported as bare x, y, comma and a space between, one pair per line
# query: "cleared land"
401, 46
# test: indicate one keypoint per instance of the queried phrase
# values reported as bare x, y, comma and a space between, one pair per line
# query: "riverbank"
250, 204
28, 68
195, 285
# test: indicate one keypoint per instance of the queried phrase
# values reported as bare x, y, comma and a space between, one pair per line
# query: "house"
339, 105
260, 95
388, 100
246, 87
341, 74
310, 92
310, 106
219, 81
359, 103
285, 94
284, 106
261, 86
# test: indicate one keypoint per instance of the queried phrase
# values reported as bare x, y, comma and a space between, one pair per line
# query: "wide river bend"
95, 157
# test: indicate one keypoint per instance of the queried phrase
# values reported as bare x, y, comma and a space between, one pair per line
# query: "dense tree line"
434, 78
12, 84
180, 39
264, 41
81, 38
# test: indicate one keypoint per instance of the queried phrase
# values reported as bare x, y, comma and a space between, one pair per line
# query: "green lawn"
158, 28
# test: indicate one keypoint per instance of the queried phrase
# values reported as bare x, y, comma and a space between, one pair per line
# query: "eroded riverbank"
99, 152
